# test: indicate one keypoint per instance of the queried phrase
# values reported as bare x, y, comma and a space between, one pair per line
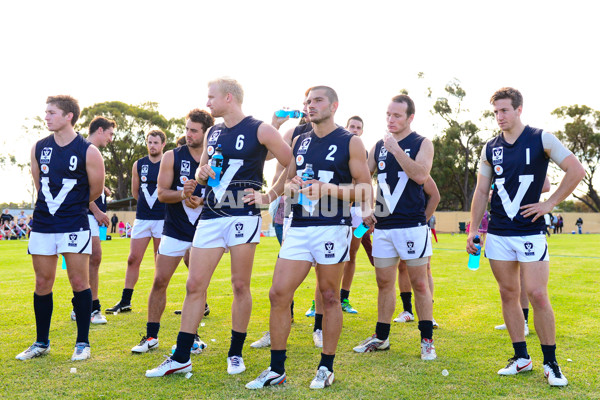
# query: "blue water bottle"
289, 113
474, 258
307, 175
360, 230
216, 163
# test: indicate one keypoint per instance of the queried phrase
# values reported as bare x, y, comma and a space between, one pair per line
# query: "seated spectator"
6, 216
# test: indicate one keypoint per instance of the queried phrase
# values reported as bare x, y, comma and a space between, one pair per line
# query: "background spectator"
579, 223
114, 221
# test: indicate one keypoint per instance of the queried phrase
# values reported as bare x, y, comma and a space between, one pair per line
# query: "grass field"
467, 307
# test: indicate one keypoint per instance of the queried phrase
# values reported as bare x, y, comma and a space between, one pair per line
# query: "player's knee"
508, 293
539, 297
240, 287
43, 284
95, 260
330, 297
133, 261
160, 283
420, 285
277, 297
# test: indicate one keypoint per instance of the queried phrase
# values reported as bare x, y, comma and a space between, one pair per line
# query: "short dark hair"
356, 118
159, 133
67, 104
516, 98
200, 116
101, 122
181, 141
410, 104
329, 92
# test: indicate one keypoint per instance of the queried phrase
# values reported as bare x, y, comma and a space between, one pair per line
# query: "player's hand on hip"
536, 210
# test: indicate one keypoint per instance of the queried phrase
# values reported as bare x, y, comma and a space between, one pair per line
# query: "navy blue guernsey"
148, 206
329, 157
180, 220
519, 171
64, 196
101, 203
243, 162
400, 200
300, 129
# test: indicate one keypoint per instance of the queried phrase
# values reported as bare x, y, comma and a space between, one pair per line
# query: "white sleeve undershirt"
485, 168
558, 152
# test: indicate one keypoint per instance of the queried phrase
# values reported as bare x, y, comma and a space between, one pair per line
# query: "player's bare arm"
431, 189
95, 171
417, 169
35, 170
574, 173
135, 181
204, 170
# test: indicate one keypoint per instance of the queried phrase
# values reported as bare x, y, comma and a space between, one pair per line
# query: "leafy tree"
457, 151
129, 142
581, 135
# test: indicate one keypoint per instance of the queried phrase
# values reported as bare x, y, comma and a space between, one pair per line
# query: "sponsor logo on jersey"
214, 136
210, 150
144, 169
46, 155
498, 169
299, 159
329, 253
381, 165
529, 249
45, 168
183, 179
239, 230
304, 146
72, 240
382, 154
497, 155
410, 245
185, 168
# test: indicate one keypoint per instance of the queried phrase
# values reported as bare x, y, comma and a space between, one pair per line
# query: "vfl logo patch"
304, 146
382, 153
498, 169
529, 249
410, 245
213, 137
210, 150
45, 168
144, 178
299, 160
381, 165
46, 155
329, 253
185, 168
239, 227
497, 155
183, 179
72, 240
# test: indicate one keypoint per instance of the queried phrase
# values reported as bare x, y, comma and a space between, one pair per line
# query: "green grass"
467, 307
